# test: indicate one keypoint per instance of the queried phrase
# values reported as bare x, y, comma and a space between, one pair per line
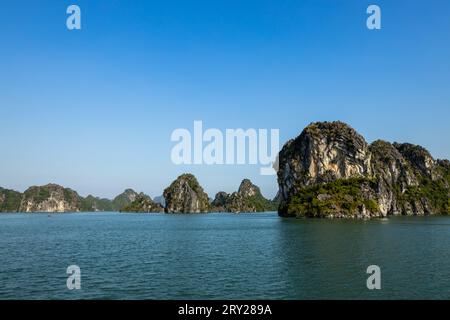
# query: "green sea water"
221, 256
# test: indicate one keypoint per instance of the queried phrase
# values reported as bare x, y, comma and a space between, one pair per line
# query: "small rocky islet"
328, 171
248, 198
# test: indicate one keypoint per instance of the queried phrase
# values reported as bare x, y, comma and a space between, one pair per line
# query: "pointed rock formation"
220, 201
185, 195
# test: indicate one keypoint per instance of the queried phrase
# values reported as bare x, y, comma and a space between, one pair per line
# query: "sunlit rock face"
50, 198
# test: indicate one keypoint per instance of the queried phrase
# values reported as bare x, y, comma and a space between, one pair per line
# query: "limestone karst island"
328, 171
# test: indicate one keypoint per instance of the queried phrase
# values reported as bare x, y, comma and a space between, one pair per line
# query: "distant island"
184, 195
328, 171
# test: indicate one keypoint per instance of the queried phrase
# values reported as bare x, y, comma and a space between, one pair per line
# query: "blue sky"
94, 109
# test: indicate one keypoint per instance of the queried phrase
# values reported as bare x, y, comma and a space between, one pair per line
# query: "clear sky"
94, 109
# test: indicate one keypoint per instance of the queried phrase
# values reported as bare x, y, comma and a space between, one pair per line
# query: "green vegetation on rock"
143, 204
343, 197
434, 195
248, 198
9, 200
91, 203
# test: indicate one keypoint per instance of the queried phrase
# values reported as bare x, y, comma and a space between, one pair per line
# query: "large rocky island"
329, 170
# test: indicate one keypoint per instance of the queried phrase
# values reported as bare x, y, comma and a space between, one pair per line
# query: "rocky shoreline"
328, 171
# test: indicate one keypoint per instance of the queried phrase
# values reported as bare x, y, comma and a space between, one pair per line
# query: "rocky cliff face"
50, 198
185, 195
322, 153
248, 198
330, 171
143, 204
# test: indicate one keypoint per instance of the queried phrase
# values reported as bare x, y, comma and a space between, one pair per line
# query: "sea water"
221, 256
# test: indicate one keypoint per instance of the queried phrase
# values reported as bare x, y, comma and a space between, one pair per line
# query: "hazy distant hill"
143, 204
248, 198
